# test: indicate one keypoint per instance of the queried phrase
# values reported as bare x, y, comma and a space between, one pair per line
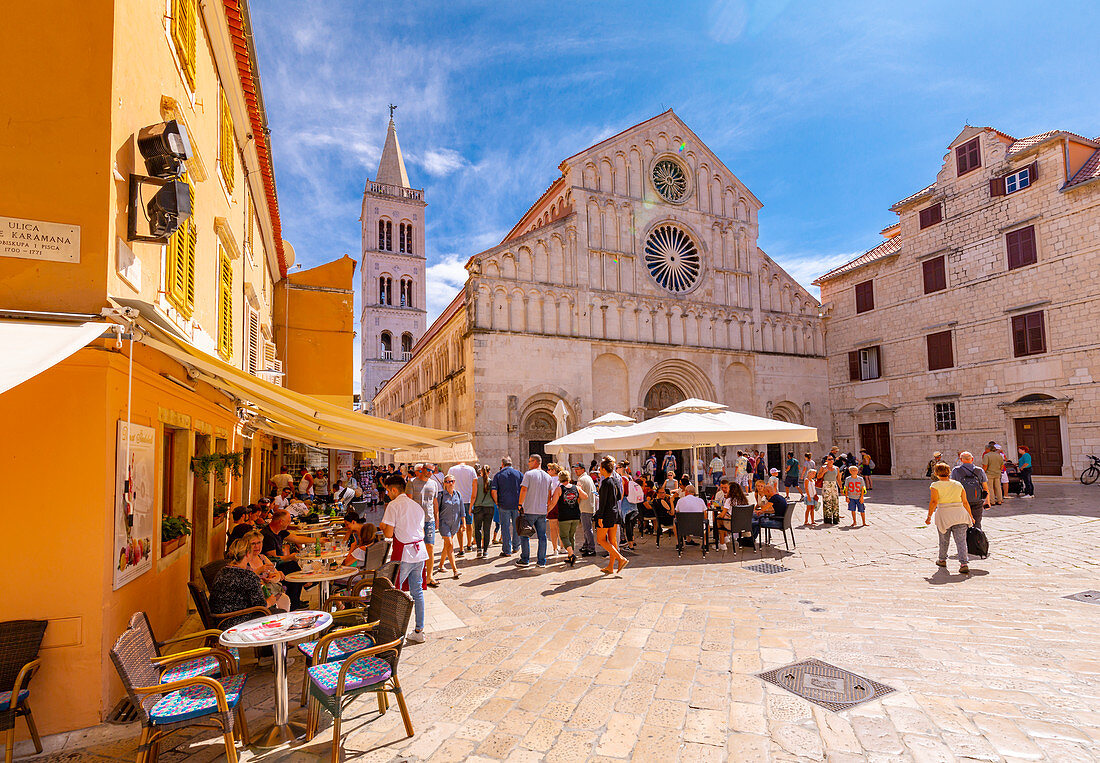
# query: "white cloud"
805, 268
443, 280
442, 161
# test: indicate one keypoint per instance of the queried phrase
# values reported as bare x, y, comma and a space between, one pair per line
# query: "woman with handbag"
607, 517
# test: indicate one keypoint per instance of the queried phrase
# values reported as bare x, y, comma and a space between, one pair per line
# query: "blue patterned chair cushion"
341, 647
366, 671
5, 698
195, 701
200, 666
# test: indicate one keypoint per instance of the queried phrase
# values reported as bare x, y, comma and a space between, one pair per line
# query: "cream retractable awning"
455, 454
295, 416
29, 348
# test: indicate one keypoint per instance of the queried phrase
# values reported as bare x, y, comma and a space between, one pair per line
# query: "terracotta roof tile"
913, 197
1089, 171
886, 249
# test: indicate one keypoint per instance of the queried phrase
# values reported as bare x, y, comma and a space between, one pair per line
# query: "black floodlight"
165, 212
169, 209
165, 148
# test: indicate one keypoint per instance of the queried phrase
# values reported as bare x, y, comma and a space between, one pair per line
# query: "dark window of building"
935, 274
864, 364
865, 296
931, 215
1021, 247
940, 353
1028, 336
968, 156
945, 417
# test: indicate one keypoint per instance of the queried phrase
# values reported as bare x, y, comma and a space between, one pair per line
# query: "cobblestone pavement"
660, 662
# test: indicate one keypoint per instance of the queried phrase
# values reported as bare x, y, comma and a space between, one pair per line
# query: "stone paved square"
661, 662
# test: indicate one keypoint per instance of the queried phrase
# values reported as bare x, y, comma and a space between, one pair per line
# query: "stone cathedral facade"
634, 282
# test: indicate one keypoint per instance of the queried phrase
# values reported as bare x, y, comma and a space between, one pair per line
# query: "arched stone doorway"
538, 429
660, 396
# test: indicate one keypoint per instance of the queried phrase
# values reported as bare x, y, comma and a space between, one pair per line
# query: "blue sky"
828, 111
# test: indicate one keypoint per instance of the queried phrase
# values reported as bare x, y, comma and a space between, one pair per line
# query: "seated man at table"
690, 503
773, 504
283, 499
242, 524
276, 535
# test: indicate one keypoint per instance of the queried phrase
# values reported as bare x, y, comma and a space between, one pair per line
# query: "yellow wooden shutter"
225, 304
179, 277
227, 146
184, 17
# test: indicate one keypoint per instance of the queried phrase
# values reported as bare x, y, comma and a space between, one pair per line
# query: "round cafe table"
325, 556
324, 577
277, 631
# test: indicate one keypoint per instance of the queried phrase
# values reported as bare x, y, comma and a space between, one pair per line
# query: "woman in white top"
809, 494
262, 566
948, 503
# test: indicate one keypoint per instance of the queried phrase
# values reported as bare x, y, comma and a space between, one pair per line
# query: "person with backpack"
568, 497
975, 483
854, 490
949, 504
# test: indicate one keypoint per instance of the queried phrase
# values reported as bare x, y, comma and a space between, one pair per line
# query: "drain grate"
768, 568
826, 685
1092, 597
123, 712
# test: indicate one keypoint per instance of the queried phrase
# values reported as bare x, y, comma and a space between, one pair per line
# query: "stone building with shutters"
635, 281
976, 318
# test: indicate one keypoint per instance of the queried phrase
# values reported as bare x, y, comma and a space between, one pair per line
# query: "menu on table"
275, 627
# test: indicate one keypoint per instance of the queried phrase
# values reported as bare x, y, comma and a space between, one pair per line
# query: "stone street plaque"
1091, 597
39, 240
826, 685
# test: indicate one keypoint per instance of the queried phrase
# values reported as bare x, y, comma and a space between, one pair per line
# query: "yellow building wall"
315, 330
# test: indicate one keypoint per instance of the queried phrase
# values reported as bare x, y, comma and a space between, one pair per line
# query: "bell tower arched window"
406, 346
405, 238
406, 292
385, 236
387, 346
385, 290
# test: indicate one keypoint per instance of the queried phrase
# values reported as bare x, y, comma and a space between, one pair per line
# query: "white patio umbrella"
561, 418
581, 440
700, 423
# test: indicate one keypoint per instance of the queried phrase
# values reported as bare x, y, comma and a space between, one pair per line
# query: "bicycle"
1092, 472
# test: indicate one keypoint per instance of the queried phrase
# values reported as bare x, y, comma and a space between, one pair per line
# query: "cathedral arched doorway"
538, 429
660, 396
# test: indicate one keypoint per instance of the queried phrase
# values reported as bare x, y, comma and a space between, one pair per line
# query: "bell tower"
393, 268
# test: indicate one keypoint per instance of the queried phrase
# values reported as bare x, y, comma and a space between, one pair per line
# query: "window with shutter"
935, 274
184, 17
179, 276
225, 304
269, 356
865, 296
853, 365
870, 365
255, 342
1028, 335
931, 215
940, 354
968, 156
227, 145
1021, 247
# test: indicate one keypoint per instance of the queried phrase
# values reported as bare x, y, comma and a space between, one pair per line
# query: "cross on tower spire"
392, 109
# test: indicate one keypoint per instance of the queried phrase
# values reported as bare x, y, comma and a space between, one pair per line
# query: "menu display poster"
134, 519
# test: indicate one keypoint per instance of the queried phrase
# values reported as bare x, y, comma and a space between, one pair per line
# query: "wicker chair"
182, 666
362, 612
19, 643
210, 620
165, 707
211, 570
333, 685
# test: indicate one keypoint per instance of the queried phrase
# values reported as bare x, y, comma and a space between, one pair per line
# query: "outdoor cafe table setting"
316, 571
277, 631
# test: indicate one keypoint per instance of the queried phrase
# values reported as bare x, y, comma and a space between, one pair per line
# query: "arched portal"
660, 396
538, 429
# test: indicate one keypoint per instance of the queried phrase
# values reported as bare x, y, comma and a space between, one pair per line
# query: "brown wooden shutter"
935, 274
865, 296
940, 353
1036, 337
997, 187
1019, 336
1032, 173
878, 354
1021, 247
853, 365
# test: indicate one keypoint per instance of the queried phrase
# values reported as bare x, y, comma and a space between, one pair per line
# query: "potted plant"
217, 464
173, 530
221, 508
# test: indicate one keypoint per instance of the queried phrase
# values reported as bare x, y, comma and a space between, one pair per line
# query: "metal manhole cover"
826, 685
1092, 597
768, 568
